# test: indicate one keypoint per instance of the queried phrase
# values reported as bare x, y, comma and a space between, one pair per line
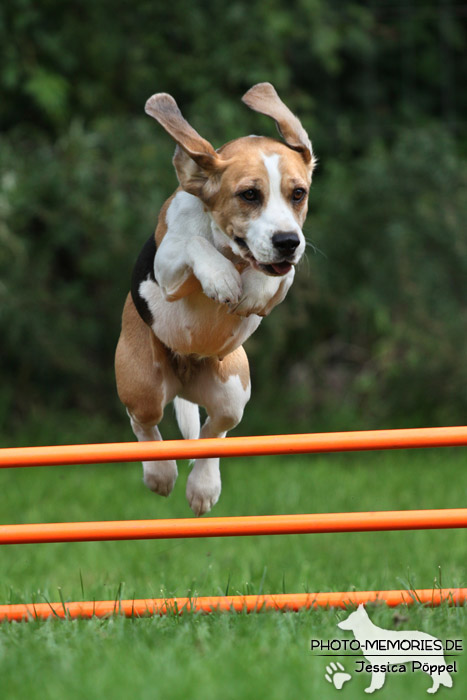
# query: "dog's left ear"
263, 98
195, 160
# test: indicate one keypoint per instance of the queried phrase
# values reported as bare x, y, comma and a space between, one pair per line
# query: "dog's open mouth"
276, 269
281, 268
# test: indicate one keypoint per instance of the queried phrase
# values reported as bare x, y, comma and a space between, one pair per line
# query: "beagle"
223, 256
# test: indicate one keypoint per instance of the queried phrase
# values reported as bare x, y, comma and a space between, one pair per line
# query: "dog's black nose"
286, 242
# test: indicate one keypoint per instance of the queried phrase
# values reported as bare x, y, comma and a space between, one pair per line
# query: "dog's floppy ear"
195, 159
263, 98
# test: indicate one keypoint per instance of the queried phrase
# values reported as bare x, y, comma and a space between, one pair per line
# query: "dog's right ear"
195, 160
263, 98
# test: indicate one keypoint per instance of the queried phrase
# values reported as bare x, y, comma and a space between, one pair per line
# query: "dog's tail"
187, 414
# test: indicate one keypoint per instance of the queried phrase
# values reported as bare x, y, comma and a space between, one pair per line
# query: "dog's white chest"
196, 325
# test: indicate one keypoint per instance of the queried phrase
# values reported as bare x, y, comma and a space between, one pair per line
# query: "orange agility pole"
233, 526
233, 447
249, 603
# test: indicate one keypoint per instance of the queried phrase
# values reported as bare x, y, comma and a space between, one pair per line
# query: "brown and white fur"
224, 255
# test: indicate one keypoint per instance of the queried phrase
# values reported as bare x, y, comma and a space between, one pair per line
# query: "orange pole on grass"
233, 447
236, 603
233, 526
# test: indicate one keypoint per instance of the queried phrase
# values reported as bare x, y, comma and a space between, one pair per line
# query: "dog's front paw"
203, 489
223, 288
160, 476
220, 280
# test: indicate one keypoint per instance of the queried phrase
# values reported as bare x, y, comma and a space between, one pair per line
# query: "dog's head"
355, 619
255, 188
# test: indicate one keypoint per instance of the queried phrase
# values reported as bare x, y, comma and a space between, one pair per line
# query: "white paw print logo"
336, 674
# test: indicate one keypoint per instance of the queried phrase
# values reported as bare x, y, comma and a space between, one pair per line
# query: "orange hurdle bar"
233, 526
233, 447
249, 603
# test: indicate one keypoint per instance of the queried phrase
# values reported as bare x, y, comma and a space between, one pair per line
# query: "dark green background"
373, 333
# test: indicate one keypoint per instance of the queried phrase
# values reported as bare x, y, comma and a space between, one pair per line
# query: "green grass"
222, 655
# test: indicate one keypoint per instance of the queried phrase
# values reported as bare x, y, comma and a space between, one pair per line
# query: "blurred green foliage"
374, 329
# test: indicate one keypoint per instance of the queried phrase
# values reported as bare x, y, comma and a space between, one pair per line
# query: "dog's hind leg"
223, 388
442, 678
146, 383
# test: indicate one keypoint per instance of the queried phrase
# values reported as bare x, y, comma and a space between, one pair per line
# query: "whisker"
315, 248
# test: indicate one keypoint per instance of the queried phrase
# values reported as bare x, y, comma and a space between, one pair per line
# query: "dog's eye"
250, 195
298, 194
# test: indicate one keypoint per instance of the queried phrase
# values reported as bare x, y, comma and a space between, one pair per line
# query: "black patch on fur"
143, 269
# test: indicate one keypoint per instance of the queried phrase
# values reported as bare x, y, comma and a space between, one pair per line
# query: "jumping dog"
223, 256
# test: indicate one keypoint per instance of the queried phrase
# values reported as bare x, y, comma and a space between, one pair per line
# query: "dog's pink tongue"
281, 268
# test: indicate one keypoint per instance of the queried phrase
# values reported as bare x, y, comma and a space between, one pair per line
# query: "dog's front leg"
177, 259
377, 681
261, 293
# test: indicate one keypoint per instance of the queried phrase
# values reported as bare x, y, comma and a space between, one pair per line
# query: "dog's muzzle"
285, 243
